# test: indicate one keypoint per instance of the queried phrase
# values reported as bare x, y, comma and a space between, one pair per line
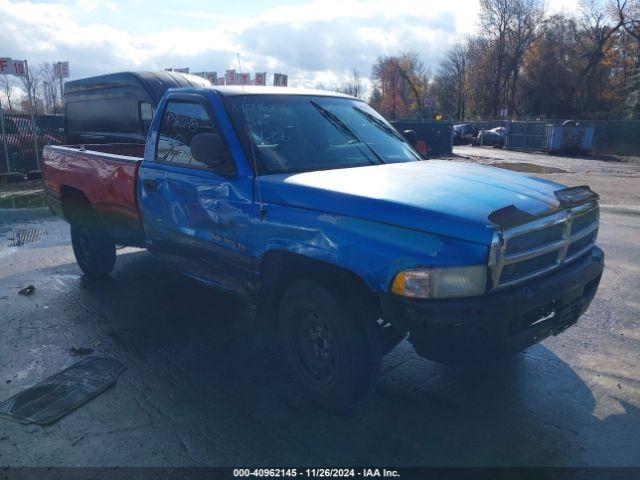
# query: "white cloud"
315, 41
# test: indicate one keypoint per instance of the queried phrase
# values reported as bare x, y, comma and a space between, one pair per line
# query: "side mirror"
209, 149
411, 137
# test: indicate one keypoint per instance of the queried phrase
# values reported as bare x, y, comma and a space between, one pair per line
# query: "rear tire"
94, 249
327, 344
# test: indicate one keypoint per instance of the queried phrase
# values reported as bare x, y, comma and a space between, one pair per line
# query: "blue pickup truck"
310, 205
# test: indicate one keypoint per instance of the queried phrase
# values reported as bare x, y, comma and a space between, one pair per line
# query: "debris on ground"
63, 392
80, 351
28, 290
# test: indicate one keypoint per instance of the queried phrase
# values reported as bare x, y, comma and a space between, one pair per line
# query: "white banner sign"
260, 78
233, 77
243, 78
230, 77
13, 67
211, 76
279, 80
61, 70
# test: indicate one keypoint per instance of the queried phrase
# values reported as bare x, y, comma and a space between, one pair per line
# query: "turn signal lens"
441, 282
412, 283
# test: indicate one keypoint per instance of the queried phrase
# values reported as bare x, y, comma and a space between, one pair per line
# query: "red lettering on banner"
18, 68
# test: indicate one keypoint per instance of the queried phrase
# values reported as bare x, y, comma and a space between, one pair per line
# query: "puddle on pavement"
527, 167
31, 200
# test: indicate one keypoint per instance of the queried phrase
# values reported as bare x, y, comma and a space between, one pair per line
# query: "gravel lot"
617, 180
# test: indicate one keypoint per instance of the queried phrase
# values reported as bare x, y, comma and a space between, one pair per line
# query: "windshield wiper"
343, 127
336, 121
379, 123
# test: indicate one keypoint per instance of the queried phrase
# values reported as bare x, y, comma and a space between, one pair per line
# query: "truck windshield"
298, 133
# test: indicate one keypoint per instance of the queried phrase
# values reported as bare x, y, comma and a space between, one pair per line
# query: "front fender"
374, 251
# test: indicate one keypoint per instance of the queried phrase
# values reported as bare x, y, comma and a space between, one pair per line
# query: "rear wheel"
93, 247
327, 344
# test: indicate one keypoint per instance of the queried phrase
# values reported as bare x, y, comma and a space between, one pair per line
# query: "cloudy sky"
313, 41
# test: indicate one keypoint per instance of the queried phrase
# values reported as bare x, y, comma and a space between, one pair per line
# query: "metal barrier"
619, 137
527, 135
436, 134
22, 139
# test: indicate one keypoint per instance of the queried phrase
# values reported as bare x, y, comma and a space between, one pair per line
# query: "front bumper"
462, 329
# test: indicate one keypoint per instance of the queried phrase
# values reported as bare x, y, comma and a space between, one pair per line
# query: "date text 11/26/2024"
316, 472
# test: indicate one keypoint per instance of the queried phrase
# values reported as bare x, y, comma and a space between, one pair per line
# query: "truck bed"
103, 174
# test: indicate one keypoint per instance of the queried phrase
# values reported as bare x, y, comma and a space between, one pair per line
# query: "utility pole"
33, 118
61, 88
4, 140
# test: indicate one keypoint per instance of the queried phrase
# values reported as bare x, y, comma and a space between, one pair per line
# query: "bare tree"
353, 85
479, 83
49, 85
7, 88
598, 31
521, 32
496, 17
451, 78
627, 13
31, 82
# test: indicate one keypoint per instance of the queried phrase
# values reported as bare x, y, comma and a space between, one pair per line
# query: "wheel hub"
315, 347
319, 342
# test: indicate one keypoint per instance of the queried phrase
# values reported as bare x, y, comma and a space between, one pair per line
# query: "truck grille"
535, 248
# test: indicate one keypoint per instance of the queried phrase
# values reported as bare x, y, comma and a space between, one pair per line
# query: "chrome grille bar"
498, 258
533, 252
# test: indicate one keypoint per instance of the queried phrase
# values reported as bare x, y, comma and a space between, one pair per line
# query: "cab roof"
236, 90
154, 83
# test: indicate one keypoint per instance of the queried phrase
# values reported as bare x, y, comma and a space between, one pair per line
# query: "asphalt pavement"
200, 389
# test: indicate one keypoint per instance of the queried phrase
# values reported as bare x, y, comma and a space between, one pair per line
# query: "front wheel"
327, 345
94, 249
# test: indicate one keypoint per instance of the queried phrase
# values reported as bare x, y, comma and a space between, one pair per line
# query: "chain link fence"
22, 141
612, 137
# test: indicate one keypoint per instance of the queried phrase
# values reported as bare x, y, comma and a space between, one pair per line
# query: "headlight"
441, 282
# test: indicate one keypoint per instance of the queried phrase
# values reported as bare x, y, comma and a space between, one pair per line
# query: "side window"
180, 123
146, 115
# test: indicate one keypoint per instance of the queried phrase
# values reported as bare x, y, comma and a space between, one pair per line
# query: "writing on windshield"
296, 133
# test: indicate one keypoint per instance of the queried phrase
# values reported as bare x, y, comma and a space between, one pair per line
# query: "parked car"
493, 137
464, 133
20, 139
313, 207
118, 107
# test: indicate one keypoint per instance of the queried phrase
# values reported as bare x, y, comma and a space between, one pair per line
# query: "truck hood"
441, 197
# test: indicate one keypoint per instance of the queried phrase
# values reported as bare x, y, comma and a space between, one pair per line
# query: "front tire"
327, 344
94, 249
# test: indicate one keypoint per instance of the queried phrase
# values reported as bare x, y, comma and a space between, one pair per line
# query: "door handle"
150, 185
